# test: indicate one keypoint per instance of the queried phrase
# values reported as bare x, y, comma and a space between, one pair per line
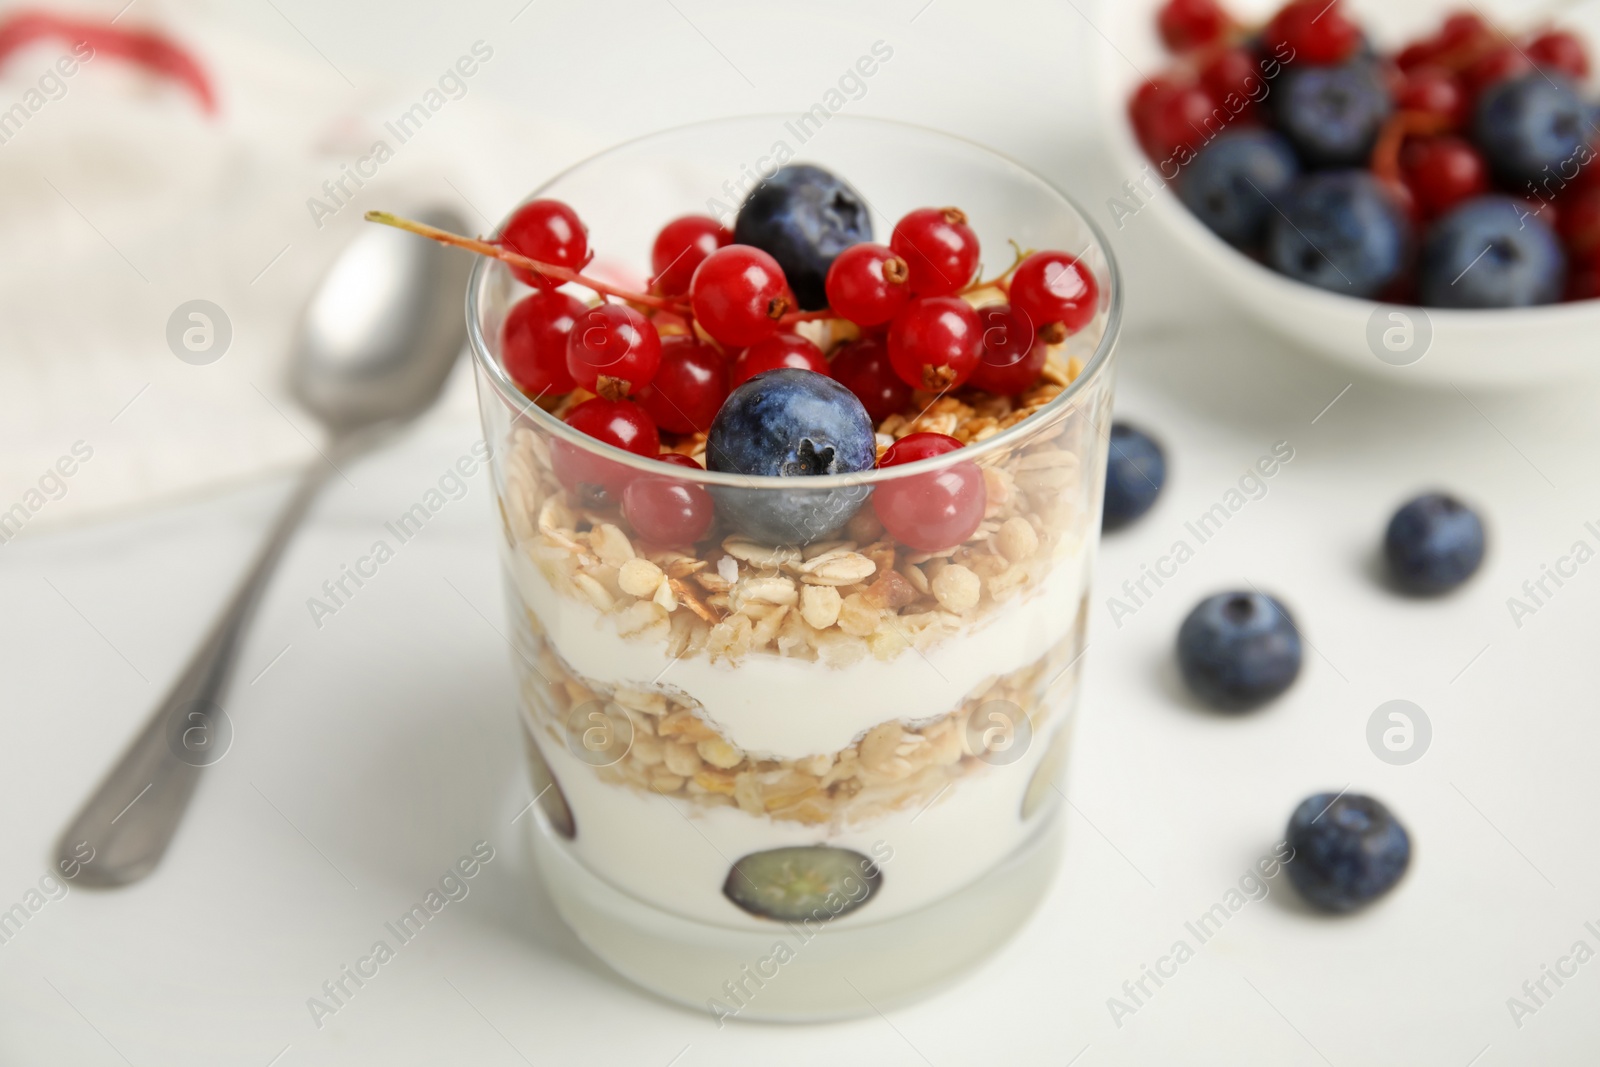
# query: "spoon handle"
122, 830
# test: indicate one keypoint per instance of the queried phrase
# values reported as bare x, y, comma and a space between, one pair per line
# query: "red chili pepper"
146, 48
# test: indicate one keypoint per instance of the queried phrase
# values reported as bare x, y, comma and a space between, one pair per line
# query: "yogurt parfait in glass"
798, 583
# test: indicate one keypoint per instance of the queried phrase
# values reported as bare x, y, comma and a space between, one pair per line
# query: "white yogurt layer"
676, 854
776, 706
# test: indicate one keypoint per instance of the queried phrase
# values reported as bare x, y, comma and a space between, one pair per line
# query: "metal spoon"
373, 349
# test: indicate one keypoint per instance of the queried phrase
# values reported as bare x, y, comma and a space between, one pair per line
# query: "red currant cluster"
1434, 144
717, 314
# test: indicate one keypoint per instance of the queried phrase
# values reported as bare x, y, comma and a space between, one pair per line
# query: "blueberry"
1238, 650
547, 791
1338, 230
1348, 850
1234, 181
1531, 127
1490, 252
803, 217
1332, 115
1433, 544
1136, 469
790, 424
801, 882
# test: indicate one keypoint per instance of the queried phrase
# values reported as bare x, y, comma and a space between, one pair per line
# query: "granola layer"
672, 751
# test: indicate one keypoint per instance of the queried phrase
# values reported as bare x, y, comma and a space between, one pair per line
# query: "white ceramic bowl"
1430, 346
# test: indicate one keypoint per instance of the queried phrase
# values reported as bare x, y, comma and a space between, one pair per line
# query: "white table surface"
378, 748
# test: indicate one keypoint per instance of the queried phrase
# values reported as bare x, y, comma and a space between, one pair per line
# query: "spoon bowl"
379, 336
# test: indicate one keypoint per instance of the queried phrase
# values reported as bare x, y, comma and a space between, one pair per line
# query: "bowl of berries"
1416, 198
799, 468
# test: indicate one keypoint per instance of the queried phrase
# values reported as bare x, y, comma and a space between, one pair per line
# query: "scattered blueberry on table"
1136, 469
1433, 544
1348, 850
1238, 650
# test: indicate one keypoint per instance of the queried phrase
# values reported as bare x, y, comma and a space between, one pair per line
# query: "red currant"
680, 247
939, 248
533, 342
678, 459
918, 446
615, 422
664, 510
1462, 28
1441, 172
1175, 121
1013, 352
779, 350
867, 284
1145, 107
1434, 91
1232, 72
1579, 225
1401, 196
613, 351
934, 342
1417, 54
863, 367
1560, 51
549, 231
934, 511
1318, 32
738, 294
688, 388
1188, 24
1147, 99
1583, 282
1492, 68
1052, 287
1588, 168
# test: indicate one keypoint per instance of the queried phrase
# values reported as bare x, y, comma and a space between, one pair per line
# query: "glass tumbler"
809, 776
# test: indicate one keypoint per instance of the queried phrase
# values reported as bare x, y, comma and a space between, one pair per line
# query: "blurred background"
372, 748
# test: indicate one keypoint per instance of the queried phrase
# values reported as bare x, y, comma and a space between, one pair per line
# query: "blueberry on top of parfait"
803, 217
790, 423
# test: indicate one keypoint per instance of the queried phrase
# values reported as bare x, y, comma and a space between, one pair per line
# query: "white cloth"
120, 200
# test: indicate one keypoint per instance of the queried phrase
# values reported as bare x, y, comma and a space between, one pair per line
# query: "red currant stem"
1469, 52
1019, 253
808, 316
1385, 160
494, 251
